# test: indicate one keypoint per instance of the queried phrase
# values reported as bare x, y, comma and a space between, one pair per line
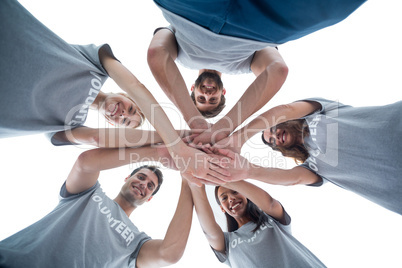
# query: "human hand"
237, 165
198, 124
232, 142
198, 167
210, 136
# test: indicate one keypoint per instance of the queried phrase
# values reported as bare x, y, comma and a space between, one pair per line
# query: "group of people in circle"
61, 82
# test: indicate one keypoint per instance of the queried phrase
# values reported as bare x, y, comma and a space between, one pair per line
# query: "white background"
357, 62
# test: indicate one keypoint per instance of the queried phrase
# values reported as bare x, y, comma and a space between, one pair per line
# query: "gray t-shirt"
358, 149
84, 230
46, 84
272, 245
199, 48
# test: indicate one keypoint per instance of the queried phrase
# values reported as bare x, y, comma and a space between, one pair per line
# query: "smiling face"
122, 111
232, 202
208, 90
139, 187
282, 137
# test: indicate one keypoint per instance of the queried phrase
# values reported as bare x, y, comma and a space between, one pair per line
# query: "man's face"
139, 187
122, 111
208, 90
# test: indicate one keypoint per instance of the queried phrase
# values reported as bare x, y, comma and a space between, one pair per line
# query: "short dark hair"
156, 171
214, 112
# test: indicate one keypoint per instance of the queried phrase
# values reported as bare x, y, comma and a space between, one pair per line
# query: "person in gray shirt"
259, 232
231, 37
88, 229
47, 86
356, 148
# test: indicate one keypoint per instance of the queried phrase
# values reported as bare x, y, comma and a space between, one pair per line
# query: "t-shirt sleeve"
320, 183
222, 256
64, 194
58, 138
326, 105
91, 53
170, 28
132, 263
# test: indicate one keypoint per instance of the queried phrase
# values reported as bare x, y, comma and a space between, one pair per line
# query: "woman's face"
282, 137
122, 111
232, 202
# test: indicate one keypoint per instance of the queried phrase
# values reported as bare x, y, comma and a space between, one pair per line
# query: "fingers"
189, 138
225, 152
192, 180
211, 180
219, 161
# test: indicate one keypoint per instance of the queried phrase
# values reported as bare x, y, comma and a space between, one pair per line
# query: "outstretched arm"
261, 198
268, 119
212, 230
162, 53
157, 253
87, 167
240, 169
271, 72
189, 161
112, 137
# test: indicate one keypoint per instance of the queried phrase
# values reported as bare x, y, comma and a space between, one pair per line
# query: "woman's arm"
260, 198
157, 253
191, 162
268, 119
240, 169
112, 137
212, 230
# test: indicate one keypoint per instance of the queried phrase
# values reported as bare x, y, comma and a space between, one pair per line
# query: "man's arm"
157, 253
87, 167
271, 72
162, 53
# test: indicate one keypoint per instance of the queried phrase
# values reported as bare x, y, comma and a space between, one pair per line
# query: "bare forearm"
264, 87
108, 158
176, 237
260, 197
294, 176
113, 137
161, 55
205, 215
273, 117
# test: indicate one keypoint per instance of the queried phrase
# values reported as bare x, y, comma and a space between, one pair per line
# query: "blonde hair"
142, 116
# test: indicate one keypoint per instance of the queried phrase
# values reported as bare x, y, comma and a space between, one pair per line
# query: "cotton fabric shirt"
46, 84
226, 54
358, 149
223, 35
272, 245
84, 230
268, 21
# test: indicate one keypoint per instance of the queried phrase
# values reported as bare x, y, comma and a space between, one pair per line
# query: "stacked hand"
198, 167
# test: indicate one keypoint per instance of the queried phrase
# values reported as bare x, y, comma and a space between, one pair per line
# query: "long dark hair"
253, 212
298, 151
